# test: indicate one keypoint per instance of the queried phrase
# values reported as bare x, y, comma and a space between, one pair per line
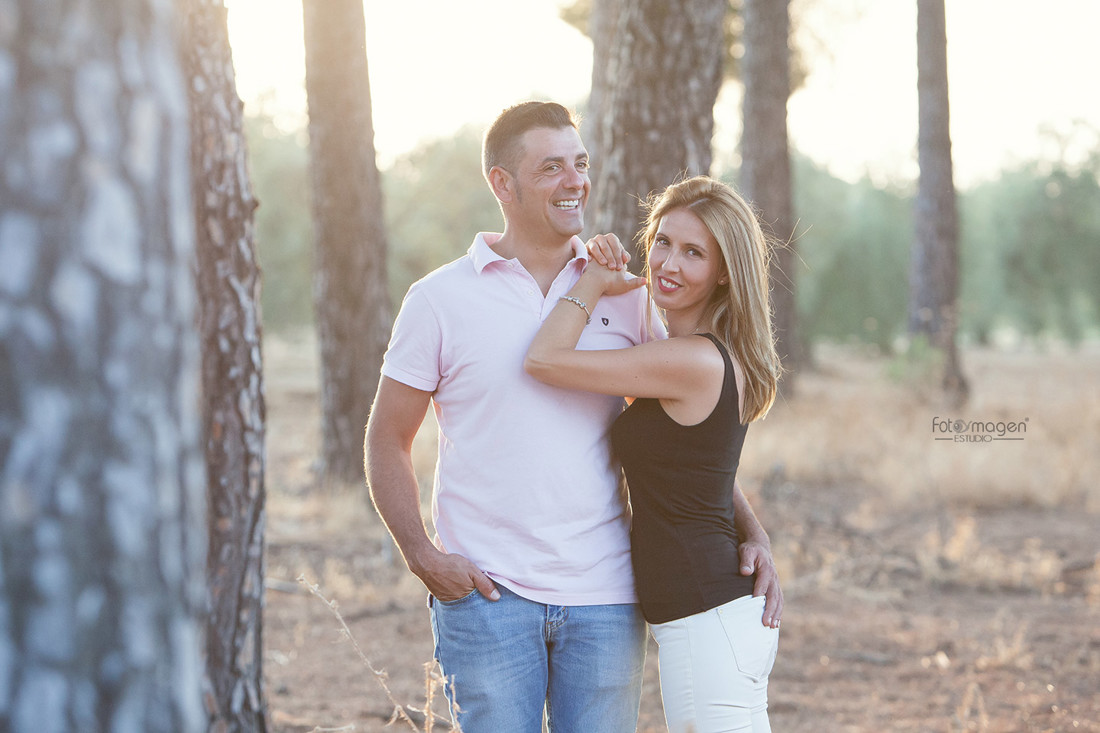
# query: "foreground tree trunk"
102, 544
766, 160
232, 374
934, 273
351, 301
657, 114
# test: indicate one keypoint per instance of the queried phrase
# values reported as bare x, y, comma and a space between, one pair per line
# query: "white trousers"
714, 668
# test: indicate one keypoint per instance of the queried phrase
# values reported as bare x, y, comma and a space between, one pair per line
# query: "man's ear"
502, 184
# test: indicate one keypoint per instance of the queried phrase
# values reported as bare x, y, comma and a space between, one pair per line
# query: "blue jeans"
510, 659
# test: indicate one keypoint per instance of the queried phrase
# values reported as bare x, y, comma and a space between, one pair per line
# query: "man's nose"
575, 179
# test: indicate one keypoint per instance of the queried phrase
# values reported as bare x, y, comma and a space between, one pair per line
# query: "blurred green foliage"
284, 230
436, 201
1029, 240
853, 247
1031, 252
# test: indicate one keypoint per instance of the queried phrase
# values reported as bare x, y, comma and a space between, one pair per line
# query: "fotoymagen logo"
978, 431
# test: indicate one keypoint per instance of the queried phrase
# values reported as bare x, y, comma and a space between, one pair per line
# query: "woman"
680, 441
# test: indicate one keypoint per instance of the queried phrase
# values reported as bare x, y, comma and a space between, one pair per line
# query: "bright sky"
1015, 68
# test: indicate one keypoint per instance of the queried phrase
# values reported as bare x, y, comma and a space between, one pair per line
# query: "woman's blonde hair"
739, 314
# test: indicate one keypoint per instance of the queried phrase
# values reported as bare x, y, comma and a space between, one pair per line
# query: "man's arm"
756, 556
396, 416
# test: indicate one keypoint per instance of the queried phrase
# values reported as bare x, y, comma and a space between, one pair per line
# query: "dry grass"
433, 680
932, 585
962, 559
850, 423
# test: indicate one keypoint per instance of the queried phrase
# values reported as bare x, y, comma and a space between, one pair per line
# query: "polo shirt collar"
482, 253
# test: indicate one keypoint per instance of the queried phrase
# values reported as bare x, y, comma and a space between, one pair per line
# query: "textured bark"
232, 374
102, 541
657, 112
934, 273
766, 160
602, 29
350, 298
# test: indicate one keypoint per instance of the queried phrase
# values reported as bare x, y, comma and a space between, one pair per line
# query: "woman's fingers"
608, 251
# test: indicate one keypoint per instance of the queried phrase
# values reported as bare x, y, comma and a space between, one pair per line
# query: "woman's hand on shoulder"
612, 282
607, 250
607, 266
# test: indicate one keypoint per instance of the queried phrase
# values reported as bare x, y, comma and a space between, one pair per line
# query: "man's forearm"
395, 418
749, 528
396, 497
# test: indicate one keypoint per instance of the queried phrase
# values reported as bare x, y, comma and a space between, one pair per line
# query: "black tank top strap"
729, 382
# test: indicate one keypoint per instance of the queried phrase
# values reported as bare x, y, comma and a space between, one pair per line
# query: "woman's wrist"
589, 288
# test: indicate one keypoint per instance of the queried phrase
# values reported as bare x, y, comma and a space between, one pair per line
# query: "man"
531, 591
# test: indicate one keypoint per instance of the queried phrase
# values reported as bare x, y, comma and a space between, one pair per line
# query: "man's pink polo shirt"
525, 486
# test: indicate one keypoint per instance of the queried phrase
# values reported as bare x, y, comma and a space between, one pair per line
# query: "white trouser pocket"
753, 644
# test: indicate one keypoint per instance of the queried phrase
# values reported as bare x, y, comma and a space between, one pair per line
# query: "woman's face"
685, 263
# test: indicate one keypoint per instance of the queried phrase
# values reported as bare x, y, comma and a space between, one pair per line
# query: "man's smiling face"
551, 183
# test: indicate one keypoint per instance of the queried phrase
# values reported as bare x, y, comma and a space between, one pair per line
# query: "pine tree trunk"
766, 160
934, 278
351, 301
232, 374
102, 541
657, 116
602, 28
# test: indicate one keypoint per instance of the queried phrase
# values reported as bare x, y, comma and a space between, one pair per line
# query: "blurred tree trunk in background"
934, 272
102, 541
766, 160
232, 373
656, 105
599, 19
351, 301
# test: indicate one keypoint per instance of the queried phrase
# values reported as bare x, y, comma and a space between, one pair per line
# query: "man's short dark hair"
501, 146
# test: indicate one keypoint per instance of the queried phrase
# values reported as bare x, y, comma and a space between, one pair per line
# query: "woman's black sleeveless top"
683, 542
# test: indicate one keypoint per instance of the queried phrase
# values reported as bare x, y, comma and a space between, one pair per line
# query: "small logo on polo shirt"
605, 321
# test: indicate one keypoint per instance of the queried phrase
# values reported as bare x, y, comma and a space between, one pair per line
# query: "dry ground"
930, 585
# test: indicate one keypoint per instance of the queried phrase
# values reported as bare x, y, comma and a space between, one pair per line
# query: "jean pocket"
754, 646
457, 601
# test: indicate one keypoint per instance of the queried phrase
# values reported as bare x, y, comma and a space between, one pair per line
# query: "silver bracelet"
580, 304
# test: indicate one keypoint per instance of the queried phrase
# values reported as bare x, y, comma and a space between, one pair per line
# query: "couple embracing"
543, 579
